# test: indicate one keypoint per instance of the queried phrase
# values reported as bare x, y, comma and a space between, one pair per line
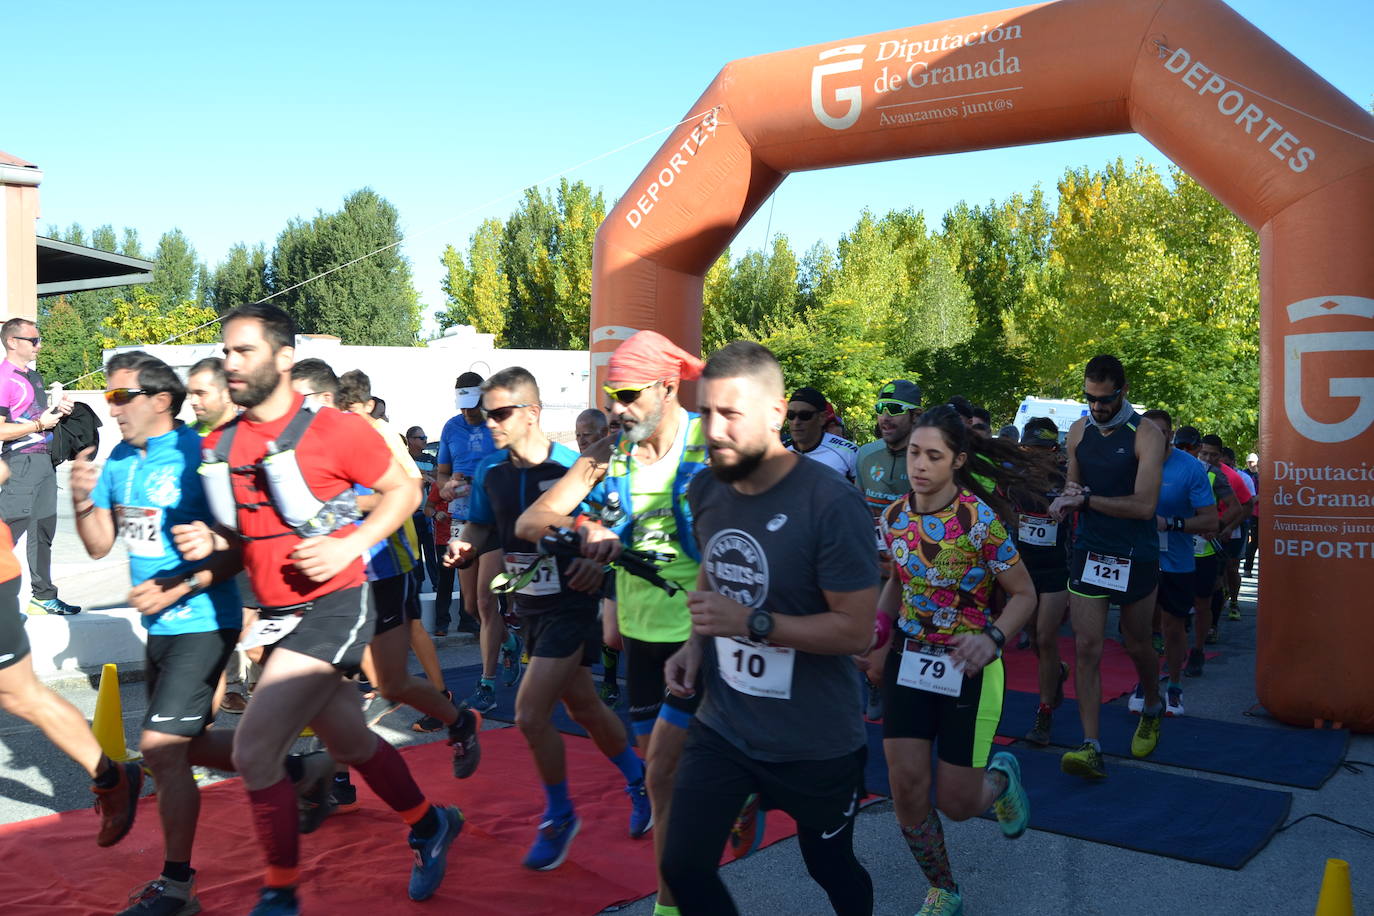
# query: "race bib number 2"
1107, 572
930, 668
759, 671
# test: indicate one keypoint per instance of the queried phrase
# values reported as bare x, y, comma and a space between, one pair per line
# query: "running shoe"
277, 901
1213, 637
1173, 702
609, 691
483, 698
1136, 703
552, 844
940, 902
511, 654
1040, 731
873, 709
1194, 666
1023, 641
1059, 687
1085, 761
344, 796
641, 812
1234, 613
463, 737
55, 606
1012, 807
431, 853
118, 804
233, 702
377, 707
164, 897
1157, 640
314, 791
1146, 734
747, 832
430, 723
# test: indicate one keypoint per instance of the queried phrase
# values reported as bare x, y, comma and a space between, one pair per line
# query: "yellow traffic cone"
1335, 898
108, 724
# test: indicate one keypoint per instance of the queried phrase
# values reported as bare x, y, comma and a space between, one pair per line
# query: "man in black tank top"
1115, 465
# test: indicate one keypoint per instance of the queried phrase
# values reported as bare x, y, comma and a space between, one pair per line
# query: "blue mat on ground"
463, 681
1179, 817
1304, 758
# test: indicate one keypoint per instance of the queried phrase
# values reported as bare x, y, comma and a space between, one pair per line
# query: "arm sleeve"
845, 558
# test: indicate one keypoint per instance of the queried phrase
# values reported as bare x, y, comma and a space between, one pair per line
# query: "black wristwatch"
192, 584
998, 638
760, 624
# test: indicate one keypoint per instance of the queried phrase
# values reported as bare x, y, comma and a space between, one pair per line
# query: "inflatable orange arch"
1286, 151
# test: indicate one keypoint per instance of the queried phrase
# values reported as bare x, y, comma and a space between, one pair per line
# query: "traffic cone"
1335, 898
108, 724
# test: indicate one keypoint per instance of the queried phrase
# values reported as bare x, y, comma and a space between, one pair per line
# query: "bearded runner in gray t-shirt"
789, 585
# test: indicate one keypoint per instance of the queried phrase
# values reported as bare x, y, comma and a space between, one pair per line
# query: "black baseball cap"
1040, 432
1187, 437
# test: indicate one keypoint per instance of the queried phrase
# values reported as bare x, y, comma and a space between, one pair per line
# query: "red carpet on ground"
358, 863
1118, 674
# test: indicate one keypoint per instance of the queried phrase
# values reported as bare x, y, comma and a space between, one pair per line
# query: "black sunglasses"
32, 340
802, 415
121, 396
501, 414
1102, 399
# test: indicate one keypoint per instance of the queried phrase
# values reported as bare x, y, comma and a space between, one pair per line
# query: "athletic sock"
295, 769
1046, 709
427, 825
1175, 685
1097, 745
1155, 708
387, 774
274, 820
177, 871
488, 682
557, 804
509, 643
927, 843
663, 909
107, 778
630, 765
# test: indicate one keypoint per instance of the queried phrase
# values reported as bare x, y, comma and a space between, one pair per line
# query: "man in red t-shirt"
317, 610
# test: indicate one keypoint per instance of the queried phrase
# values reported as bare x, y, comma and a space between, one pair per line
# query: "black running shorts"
397, 599
14, 642
1175, 594
246, 593
1049, 581
962, 727
335, 628
183, 672
1144, 575
1205, 571
647, 689
564, 633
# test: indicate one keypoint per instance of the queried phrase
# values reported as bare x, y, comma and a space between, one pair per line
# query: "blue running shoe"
641, 812
431, 853
277, 901
551, 846
483, 698
1012, 807
511, 668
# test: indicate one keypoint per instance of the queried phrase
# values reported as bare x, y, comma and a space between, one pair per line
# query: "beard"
258, 385
747, 463
638, 430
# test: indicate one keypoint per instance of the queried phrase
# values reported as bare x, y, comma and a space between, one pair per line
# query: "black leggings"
714, 778
443, 597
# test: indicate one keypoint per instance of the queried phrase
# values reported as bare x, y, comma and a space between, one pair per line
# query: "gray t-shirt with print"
777, 550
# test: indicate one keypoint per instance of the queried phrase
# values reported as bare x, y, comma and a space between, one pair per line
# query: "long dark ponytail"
1001, 461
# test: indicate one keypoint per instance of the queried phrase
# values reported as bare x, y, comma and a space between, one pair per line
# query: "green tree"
69, 351
146, 320
756, 293
476, 288
371, 301
174, 268
242, 277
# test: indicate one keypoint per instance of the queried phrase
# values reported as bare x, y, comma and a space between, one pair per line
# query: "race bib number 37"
545, 578
759, 671
1107, 572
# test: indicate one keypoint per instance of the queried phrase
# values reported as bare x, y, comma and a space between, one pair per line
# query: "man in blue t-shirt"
148, 489
1186, 507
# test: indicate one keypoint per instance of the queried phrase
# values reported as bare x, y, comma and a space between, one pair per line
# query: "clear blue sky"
227, 120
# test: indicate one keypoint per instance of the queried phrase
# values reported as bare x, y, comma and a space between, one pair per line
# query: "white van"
1063, 413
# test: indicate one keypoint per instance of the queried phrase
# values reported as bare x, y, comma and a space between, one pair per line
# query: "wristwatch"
998, 638
192, 584
760, 624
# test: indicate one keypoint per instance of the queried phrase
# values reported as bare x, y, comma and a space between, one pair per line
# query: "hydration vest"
289, 494
613, 501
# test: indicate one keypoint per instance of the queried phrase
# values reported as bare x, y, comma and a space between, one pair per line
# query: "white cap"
1251, 457
467, 397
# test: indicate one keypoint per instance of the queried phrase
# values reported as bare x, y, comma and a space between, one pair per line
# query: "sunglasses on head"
892, 408
629, 394
802, 415
501, 414
1102, 398
121, 396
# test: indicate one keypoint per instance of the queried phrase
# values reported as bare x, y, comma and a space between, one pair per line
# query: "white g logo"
851, 94
1361, 388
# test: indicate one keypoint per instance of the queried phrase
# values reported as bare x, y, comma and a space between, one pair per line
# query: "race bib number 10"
759, 671
1107, 572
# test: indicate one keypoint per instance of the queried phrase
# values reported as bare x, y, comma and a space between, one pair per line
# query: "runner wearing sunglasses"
636, 487
806, 421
